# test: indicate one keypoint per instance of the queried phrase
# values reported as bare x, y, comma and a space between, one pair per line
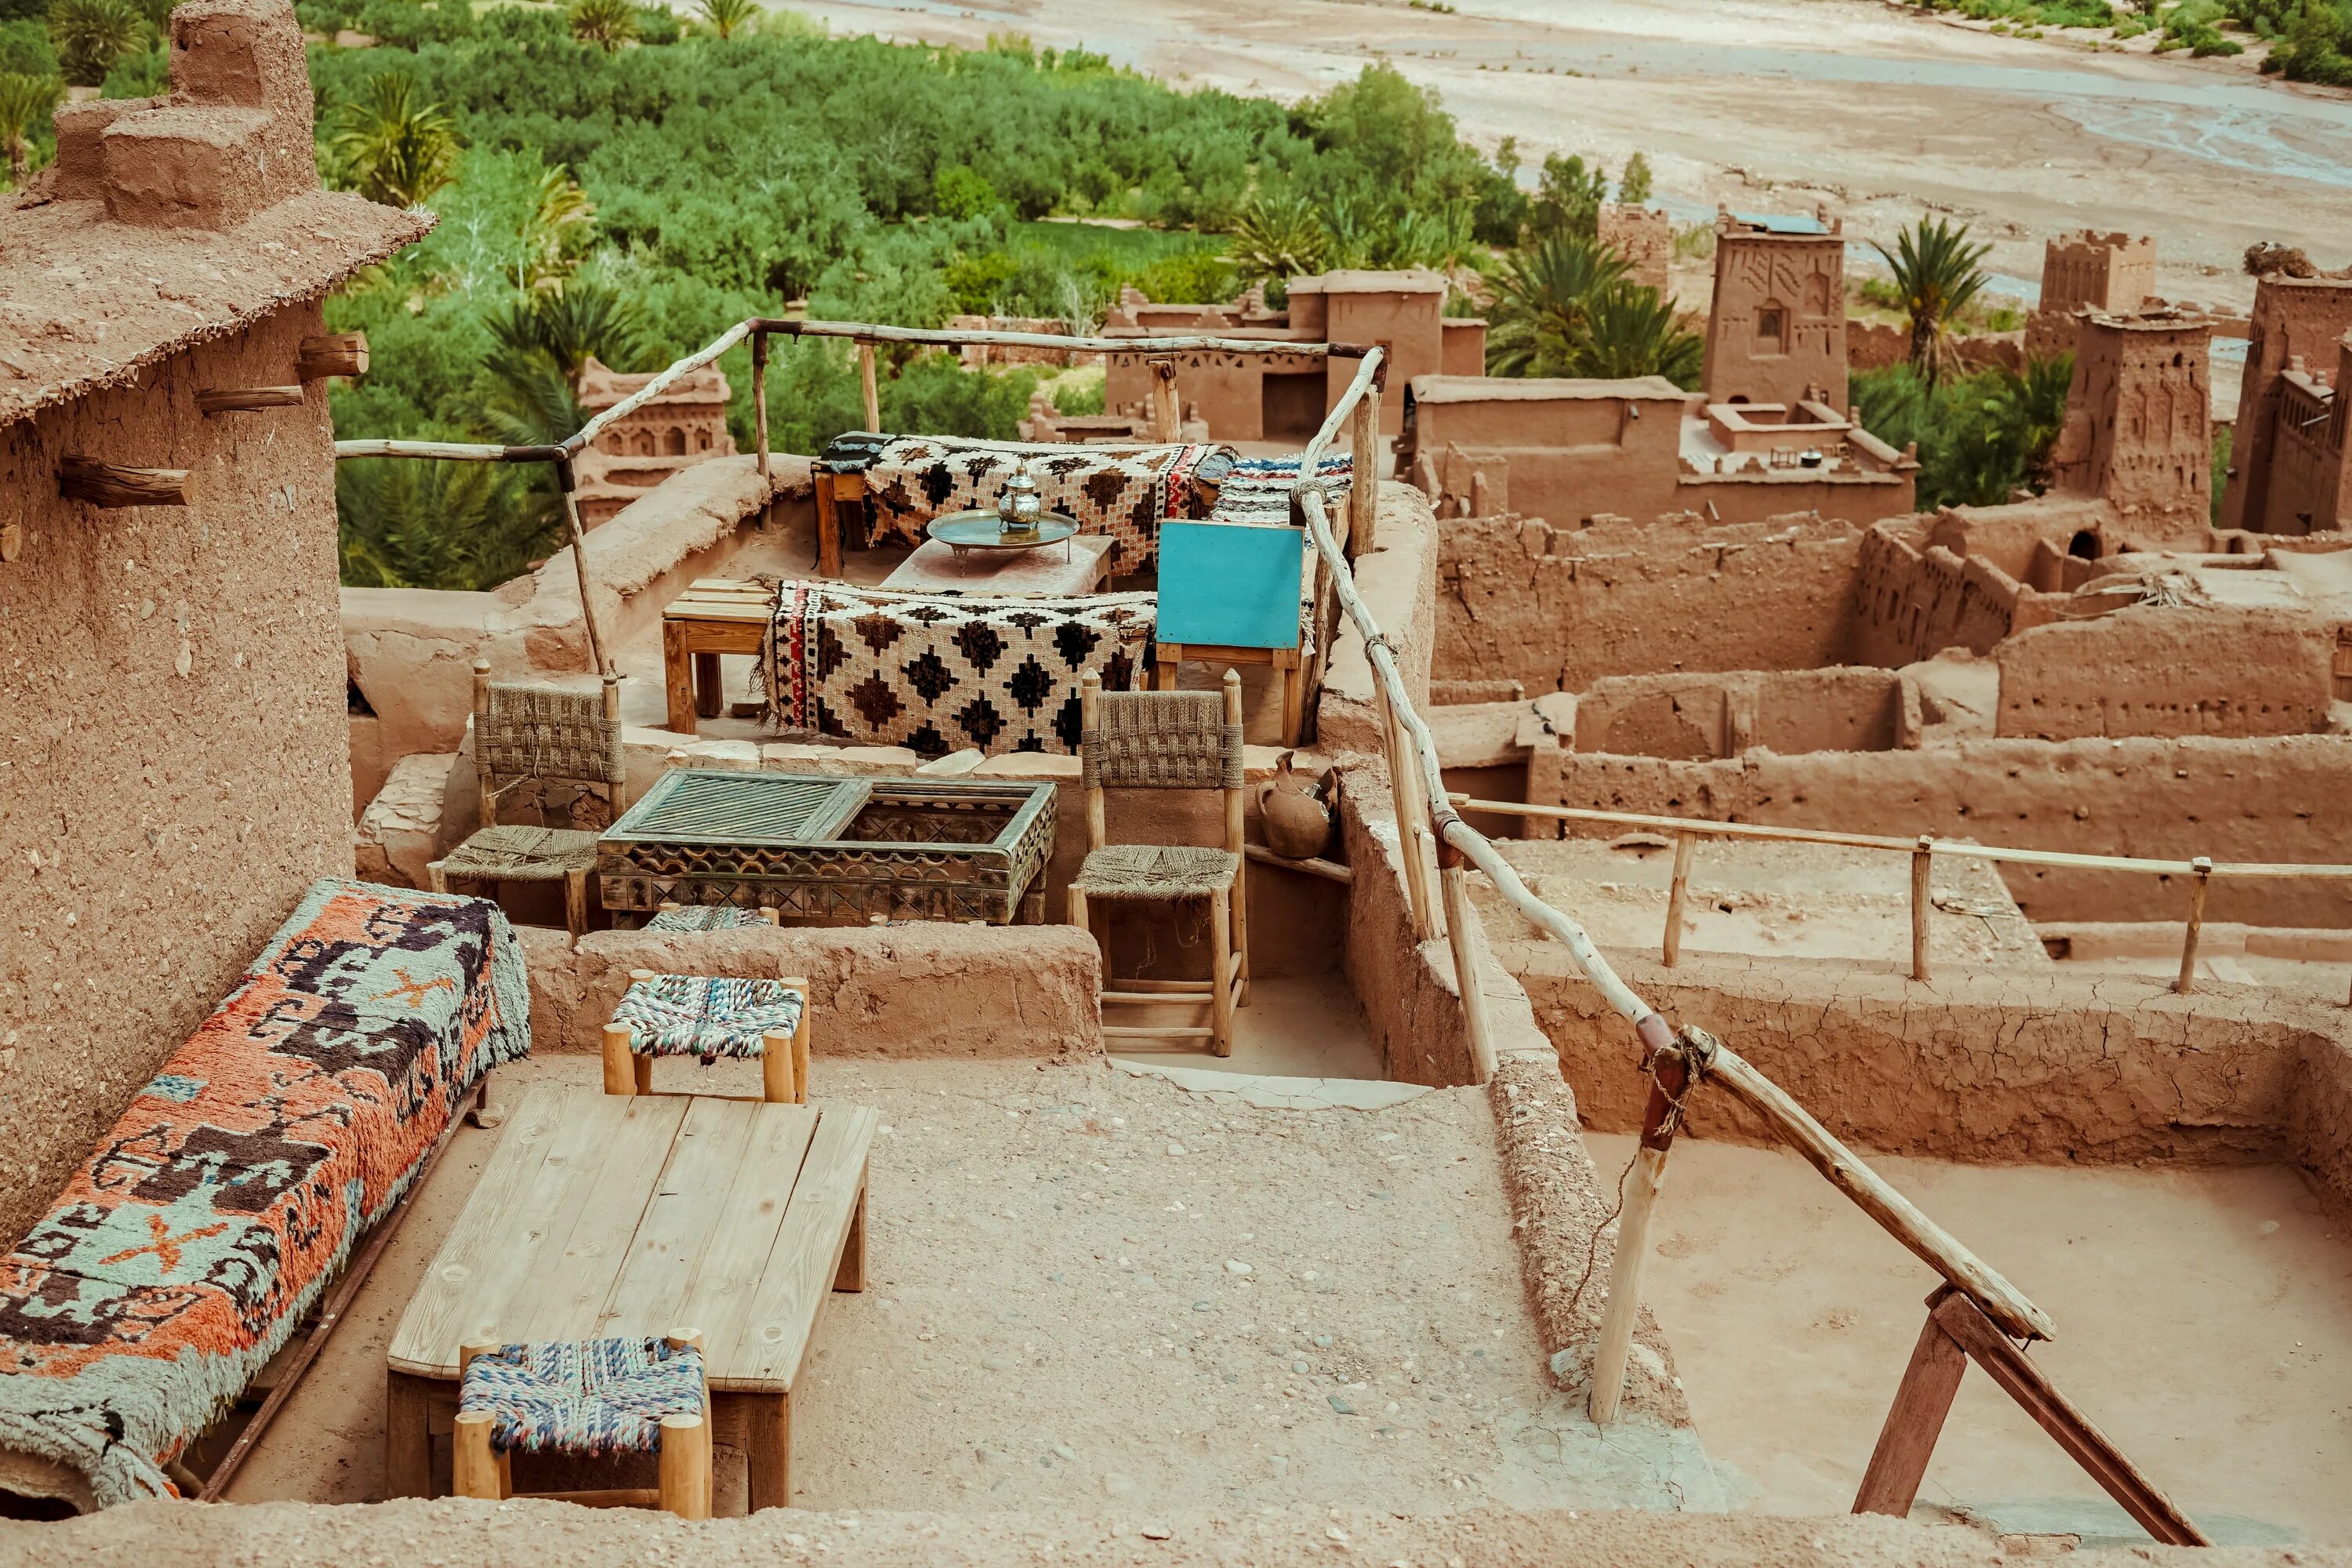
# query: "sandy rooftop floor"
2204, 1321
1093, 1288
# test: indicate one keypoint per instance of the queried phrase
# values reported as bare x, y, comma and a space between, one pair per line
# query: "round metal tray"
963, 530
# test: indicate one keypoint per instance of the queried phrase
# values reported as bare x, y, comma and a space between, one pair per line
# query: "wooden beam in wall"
247, 399
115, 485
334, 353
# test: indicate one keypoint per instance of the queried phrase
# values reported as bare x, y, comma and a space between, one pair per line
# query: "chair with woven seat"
707, 1017
537, 734
589, 1398
1167, 740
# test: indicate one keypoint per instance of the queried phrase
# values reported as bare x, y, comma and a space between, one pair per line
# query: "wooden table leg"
851, 1274
408, 1445
708, 697
677, 678
769, 1459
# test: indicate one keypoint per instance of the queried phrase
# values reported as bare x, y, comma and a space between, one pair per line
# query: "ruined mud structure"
1667, 800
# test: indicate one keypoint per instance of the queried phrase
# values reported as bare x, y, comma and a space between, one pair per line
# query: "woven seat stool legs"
1167, 740
708, 1017
526, 734
589, 1398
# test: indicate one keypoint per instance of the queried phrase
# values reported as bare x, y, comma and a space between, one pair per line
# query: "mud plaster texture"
1397, 582
923, 988
1557, 607
2233, 799
1406, 987
1098, 1291
291, 1535
172, 773
2203, 1322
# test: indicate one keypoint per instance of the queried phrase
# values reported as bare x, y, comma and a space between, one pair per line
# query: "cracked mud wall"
176, 768
1556, 608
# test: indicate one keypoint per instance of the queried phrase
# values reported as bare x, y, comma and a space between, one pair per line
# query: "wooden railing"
1686, 830
1978, 1310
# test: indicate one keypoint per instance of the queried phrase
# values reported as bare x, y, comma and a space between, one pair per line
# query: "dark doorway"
1291, 405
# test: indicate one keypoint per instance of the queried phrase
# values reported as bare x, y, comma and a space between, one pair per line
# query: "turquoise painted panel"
1233, 584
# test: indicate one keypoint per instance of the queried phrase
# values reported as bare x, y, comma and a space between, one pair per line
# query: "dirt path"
1766, 103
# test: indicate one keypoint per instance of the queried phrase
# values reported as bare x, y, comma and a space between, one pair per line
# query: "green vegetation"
26, 103
1937, 277
2313, 37
1980, 434
1564, 305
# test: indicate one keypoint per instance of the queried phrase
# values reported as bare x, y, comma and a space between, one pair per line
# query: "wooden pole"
868, 388
473, 1463
1462, 935
1896, 1214
331, 353
1364, 483
117, 485
212, 400
1166, 419
1922, 1400
1402, 794
2204, 875
1236, 808
1677, 892
1922, 901
684, 1468
1669, 1077
599, 661
759, 400
2006, 1364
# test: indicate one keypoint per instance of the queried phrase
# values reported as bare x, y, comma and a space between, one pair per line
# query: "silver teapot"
1019, 506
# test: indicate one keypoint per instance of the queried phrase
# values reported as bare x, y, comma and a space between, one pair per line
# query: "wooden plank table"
603, 1215
715, 616
1072, 567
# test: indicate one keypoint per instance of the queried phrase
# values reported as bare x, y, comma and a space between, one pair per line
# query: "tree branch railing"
1681, 1060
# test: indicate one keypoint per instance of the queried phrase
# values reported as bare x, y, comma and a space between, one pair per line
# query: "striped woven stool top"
582, 1396
706, 1016
703, 916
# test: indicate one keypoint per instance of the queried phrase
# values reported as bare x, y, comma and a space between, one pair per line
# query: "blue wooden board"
1230, 584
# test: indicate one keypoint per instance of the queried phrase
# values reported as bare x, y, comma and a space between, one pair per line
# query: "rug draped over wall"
937, 672
185, 1253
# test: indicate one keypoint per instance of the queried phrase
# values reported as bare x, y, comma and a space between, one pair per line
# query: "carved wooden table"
603, 1215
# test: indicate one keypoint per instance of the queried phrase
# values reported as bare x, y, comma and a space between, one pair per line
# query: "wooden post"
620, 1069
486, 799
1922, 1400
2006, 1364
2204, 875
1462, 932
1234, 809
473, 1463
868, 387
331, 354
1167, 420
1676, 892
1670, 1074
778, 1083
759, 400
1896, 1214
598, 661
1221, 991
212, 400
1364, 483
1402, 791
685, 1465
684, 1338
1922, 901
116, 485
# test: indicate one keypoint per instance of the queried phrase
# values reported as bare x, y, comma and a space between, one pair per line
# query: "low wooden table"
1070, 567
603, 1216
716, 615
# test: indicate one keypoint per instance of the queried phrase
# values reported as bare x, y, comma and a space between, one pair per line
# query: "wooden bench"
604, 1214
716, 615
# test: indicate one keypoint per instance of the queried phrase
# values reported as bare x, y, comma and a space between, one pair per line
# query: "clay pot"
1298, 824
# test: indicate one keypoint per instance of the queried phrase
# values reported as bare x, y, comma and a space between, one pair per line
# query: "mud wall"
2168, 671
174, 771
1913, 600
2108, 1069
1841, 708
2276, 799
1558, 608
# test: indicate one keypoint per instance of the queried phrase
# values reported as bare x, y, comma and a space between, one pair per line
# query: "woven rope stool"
707, 917
708, 1017
591, 1398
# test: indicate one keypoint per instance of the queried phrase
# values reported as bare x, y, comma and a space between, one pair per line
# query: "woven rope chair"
592, 1397
708, 1017
536, 734
1167, 740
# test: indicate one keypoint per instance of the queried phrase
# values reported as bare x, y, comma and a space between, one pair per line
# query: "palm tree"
25, 102
565, 326
1936, 272
562, 223
727, 16
607, 23
1276, 240
2008, 442
1543, 304
435, 525
91, 35
391, 148
1629, 331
